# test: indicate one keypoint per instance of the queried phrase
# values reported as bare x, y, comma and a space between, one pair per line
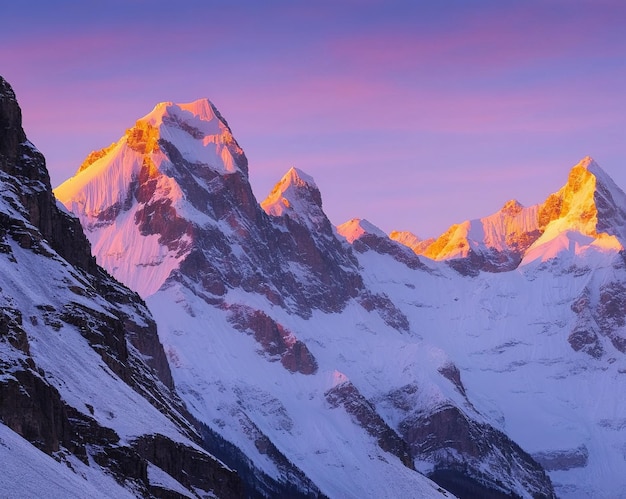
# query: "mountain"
291, 339
547, 336
87, 402
589, 204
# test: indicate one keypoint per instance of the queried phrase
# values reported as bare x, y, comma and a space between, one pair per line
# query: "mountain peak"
587, 170
202, 136
590, 202
295, 193
512, 207
358, 227
588, 163
299, 178
201, 109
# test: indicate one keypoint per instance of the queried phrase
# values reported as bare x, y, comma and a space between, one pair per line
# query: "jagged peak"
405, 237
588, 163
589, 170
162, 142
512, 207
297, 177
295, 188
357, 228
589, 203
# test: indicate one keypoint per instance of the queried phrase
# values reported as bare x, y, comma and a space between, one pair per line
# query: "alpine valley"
215, 346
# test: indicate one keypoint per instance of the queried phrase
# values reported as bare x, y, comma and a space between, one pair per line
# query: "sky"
414, 115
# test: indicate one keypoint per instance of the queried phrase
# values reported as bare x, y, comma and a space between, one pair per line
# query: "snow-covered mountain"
313, 360
543, 344
304, 345
87, 403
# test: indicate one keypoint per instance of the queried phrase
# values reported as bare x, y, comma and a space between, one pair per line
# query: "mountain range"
218, 346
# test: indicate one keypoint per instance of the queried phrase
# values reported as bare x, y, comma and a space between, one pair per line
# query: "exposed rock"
452, 373
391, 314
611, 313
465, 448
347, 395
605, 318
275, 339
386, 246
27, 176
563, 460
190, 467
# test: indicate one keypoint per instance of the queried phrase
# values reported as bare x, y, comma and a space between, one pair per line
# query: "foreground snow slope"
28, 472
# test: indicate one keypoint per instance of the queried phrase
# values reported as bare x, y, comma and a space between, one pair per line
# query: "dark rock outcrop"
461, 447
275, 339
386, 246
348, 396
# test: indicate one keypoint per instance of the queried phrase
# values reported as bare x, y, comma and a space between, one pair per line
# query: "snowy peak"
365, 236
498, 237
179, 167
295, 193
410, 240
357, 228
588, 212
297, 196
590, 204
197, 126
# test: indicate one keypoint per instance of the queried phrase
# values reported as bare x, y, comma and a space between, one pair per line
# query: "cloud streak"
396, 102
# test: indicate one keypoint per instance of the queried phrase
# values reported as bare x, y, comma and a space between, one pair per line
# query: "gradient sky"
411, 114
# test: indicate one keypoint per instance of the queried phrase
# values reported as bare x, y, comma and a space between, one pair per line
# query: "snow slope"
28, 472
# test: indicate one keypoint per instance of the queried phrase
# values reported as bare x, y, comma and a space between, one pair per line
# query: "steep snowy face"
588, 213
130, 194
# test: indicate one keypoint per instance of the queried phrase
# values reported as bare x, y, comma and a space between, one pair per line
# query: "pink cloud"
504, 37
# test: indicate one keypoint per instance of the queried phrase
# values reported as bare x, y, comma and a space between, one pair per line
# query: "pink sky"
413, 115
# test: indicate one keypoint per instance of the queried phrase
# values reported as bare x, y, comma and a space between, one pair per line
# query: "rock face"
277, 341
463, 446
363, 236
181, 187
83, 371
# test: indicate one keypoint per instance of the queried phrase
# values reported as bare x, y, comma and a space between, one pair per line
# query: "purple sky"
413, 115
